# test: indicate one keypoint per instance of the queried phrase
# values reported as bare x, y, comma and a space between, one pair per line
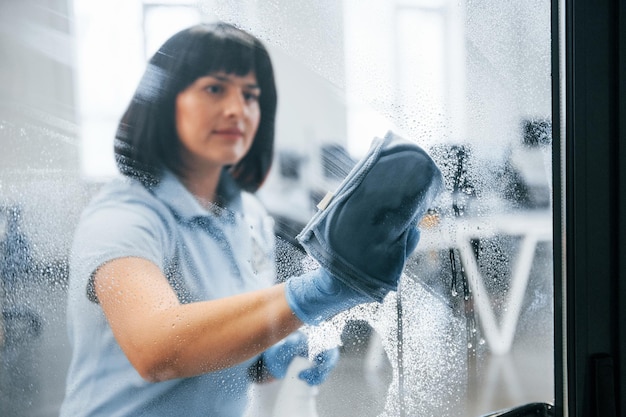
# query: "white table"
457, 233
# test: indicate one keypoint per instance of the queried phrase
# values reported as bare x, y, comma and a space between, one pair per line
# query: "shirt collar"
185, 206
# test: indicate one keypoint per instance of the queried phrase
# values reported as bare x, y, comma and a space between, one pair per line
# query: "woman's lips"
232, 133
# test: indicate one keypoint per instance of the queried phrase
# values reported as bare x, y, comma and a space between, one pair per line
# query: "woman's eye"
214, 89
250, 96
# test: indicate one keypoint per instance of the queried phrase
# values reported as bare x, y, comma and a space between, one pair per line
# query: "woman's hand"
278, 358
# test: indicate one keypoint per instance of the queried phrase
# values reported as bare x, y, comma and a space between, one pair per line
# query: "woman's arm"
164, 339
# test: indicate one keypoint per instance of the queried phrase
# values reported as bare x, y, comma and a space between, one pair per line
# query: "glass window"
470, 330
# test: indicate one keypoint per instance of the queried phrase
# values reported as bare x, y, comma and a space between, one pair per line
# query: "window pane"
470, 329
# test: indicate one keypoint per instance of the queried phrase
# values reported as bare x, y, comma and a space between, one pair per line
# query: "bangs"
231, 57
225, 50
207, 49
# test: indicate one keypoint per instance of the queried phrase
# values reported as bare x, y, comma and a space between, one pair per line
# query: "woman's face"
217, 118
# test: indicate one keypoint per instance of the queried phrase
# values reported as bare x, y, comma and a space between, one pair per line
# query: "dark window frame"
590, 233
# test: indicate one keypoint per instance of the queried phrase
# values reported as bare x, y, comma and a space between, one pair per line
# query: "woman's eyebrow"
228, 79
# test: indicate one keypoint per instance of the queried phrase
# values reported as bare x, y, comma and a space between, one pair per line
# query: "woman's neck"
203, 186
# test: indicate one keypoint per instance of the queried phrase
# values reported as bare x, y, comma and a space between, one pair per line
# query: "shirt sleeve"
118, 230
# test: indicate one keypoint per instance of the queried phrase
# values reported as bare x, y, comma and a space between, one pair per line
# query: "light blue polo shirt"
205, 255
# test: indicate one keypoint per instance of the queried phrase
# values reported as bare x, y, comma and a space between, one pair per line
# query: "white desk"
532, 227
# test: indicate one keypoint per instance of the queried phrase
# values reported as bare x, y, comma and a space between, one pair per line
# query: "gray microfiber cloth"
363, 233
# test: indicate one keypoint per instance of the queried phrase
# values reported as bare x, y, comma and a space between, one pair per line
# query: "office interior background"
498, 304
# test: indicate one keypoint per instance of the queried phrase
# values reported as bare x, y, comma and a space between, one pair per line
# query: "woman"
172, 301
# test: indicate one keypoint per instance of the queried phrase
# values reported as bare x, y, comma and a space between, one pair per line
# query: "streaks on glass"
429, 361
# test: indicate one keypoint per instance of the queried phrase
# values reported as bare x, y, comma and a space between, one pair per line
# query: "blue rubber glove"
278, 358
318, 296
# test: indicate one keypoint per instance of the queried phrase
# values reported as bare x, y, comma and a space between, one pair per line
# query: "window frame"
590, 226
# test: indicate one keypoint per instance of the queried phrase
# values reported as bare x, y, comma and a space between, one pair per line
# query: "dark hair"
146, 141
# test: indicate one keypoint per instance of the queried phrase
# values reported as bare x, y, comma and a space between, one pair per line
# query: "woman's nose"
235, 104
